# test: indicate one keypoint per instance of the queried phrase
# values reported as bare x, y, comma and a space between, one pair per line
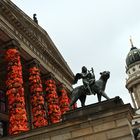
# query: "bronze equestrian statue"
90, 86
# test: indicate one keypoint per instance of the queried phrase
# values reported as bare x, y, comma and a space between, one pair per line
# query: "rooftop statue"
35, 18
90, 86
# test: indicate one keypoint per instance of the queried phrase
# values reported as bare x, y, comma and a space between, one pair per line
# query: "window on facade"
2, 102
1, 129
134, 69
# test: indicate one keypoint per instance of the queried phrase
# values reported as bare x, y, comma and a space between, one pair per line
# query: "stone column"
133, 100
63, 98
36, 94
15, 91
136, 96
51, 98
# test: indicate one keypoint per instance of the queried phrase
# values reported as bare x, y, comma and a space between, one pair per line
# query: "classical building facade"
29, 62
133, 83
133, 72
35, 85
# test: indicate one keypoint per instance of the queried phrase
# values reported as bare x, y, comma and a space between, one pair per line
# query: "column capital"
61, 85
49, 76
11, 44
33, 63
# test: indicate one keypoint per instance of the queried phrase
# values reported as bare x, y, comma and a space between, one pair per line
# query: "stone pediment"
36, 36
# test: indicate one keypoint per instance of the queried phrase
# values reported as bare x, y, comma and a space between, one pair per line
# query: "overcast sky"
94, 33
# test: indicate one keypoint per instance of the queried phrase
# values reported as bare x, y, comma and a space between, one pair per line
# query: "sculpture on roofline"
90, 86
35, 18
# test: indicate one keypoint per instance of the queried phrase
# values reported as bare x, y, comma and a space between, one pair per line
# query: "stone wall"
109, 120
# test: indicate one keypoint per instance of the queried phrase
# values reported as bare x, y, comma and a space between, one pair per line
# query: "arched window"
1, 129
133, 69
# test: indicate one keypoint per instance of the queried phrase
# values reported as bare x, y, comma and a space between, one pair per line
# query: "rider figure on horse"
90, 86
88, 78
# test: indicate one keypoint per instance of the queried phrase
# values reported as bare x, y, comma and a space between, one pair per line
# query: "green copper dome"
133, 56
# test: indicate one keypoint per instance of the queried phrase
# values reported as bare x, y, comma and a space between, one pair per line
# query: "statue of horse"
97, 87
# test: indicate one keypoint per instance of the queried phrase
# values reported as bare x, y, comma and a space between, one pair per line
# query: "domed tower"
133, 72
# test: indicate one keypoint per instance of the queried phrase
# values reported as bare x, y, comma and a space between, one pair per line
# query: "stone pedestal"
108, 120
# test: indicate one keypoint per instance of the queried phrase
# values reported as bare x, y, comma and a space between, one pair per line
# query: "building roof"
133, 56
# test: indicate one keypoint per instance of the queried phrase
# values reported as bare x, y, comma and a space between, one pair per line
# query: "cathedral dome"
133, 56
